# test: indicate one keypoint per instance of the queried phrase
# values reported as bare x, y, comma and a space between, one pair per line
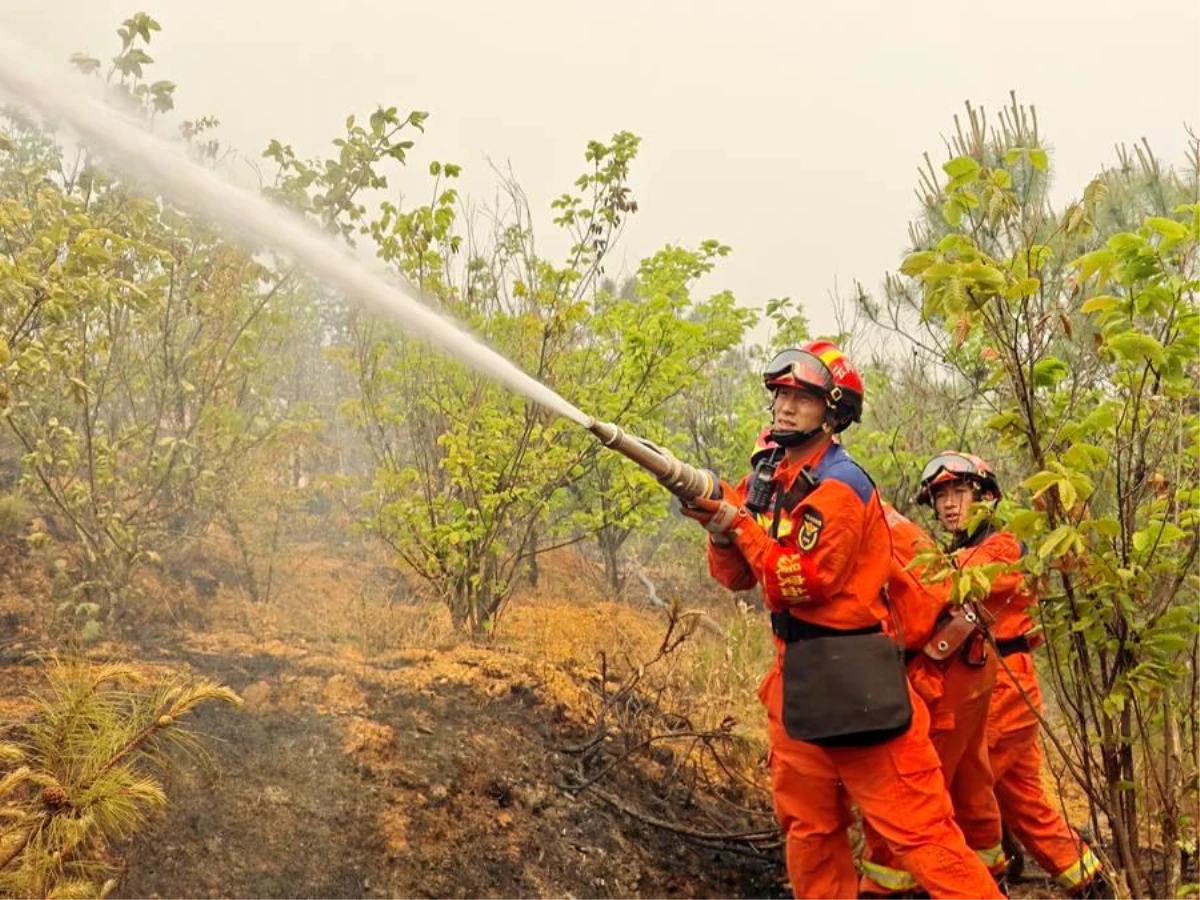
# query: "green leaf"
1039, 482
1100, 303
1027, 522
1038, 159
1085, 457
1166, 642
1026, 287
1170, 229
1099, 262
1135, 346
963, 171
914, 264
1067, 493
960, 166
1057, 542
1157, 533
1049, 371
1106, 526
1100, 419
986, 275
84, 63
1003, 421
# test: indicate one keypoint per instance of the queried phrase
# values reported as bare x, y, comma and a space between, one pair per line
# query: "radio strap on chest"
801, 488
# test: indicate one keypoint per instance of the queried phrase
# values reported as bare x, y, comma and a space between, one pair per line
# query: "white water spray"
143, 155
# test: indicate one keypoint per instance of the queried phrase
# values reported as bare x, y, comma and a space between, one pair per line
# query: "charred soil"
378, 755
331, 785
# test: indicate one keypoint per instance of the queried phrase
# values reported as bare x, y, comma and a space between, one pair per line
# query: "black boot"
1015, 855
1097, 888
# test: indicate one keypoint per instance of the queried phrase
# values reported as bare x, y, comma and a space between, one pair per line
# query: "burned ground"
326, 785
377, 754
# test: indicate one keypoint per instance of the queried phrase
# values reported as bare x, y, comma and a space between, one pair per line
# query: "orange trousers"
957, 695
898, 788
1016, 759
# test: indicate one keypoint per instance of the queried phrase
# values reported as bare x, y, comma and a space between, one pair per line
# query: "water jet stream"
145, 156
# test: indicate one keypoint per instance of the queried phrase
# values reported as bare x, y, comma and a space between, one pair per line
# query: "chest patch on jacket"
810, 529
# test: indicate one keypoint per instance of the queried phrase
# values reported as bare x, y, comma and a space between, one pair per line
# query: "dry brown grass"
349, 603
346, 610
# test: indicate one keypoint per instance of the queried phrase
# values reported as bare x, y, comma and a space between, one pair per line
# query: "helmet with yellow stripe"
819, 367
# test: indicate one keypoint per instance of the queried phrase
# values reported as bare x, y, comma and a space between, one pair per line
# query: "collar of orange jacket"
786, 474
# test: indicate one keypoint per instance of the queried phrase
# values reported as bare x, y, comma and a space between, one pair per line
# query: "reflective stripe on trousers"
898, 880
993, 858
1080, 873
888, 878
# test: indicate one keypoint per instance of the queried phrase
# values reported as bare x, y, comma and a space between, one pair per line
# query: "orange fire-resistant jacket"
1010, 599
832, 558
915, 602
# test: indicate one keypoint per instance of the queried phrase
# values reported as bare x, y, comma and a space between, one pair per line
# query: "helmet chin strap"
796, 438
787, 439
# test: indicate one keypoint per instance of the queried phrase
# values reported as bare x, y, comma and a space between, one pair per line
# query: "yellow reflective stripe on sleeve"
1081, 872
888, 878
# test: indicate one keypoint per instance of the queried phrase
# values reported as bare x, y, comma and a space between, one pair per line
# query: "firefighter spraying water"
807, 527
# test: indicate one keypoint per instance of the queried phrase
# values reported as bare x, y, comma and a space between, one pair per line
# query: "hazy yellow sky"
791, 131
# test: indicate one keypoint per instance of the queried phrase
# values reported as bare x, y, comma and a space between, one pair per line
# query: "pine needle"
79, 781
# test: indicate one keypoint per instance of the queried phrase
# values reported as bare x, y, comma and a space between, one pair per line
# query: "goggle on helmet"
952, 465
819, 367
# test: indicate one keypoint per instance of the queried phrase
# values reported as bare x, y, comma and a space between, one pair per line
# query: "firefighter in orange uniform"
951, 482
953, 670
843, 723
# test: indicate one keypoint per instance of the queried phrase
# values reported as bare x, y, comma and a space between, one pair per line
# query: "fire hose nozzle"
684, 481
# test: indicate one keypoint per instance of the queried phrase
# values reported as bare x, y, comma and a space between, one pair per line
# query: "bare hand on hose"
719, 517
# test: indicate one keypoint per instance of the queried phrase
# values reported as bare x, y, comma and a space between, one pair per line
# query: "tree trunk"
247, 558
610, 549
1169, 815
532, 571
1120, 825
